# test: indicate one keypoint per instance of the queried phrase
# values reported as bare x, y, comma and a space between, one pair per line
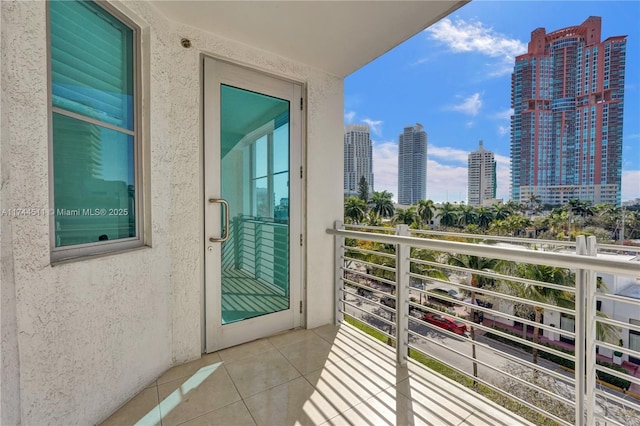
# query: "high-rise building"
357, 158
412, 165
567, 94
481, 180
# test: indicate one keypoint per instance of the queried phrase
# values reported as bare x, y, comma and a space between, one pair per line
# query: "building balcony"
328, 375
388, 360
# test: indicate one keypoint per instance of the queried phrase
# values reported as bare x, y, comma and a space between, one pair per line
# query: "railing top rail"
495, 238
562, 260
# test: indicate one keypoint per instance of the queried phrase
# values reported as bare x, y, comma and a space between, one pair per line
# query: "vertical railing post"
403, 253
591, 335
338, 262
580, 334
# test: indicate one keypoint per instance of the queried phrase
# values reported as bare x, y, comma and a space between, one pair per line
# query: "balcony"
513, 311
384, 362
329, 375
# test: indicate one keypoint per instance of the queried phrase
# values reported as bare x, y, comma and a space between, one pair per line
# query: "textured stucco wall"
9, 373
93, 332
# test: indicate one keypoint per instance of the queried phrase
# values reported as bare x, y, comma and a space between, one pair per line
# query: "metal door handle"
224, 211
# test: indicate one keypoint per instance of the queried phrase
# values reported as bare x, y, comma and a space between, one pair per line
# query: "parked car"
388, 301
364, 292
447, 323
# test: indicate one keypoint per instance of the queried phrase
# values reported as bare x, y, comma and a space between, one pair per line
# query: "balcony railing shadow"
459, 302
328, 375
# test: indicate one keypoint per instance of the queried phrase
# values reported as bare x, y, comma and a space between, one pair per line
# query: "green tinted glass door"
254, 135
252, 205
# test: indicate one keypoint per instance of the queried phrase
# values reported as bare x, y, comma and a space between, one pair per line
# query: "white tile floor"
329, 375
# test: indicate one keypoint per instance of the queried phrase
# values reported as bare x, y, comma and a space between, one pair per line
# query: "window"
95, 184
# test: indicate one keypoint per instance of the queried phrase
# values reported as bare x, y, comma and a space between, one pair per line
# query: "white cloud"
385, 167
470, 105
504, 115
349, 116
448, 153
374, 125
630, 184
503, 130
473, 36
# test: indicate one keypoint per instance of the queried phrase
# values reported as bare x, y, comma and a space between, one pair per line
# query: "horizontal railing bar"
381, 318
618, 374
369, 276
493, 349
495, 388
356, 284
498, 370
499, 314
495, 238
563, 260
498, 276
376, 328
372, 264
607, 395
608, 420
367, 251
617, 323
617, 298
367, 227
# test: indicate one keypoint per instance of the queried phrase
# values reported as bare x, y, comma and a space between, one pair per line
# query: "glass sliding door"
251, 131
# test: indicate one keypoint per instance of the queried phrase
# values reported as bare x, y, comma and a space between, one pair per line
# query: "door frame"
219, 71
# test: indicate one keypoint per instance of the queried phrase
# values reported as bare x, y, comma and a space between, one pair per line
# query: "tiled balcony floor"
329, 375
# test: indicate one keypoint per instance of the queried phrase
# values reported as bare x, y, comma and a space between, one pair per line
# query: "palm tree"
355, 210
579, 208
382, 203
541, 294
426, 211
485, 217
478, 264
502, 211
467, 215
448, 215
408, 216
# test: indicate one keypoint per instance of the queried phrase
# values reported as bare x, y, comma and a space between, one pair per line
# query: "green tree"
448, 215
355, 210
363, 189
477, 281
484, 218
467, 215
426, 211
539, 293
406, 216
502, 211
382, 203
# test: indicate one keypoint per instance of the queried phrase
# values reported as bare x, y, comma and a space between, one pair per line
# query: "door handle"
225, 212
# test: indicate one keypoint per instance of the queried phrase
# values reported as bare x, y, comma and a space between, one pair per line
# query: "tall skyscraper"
567, 93
412, 165
481, 176
357, 158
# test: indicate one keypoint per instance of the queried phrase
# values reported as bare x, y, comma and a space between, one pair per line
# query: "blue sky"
454, 78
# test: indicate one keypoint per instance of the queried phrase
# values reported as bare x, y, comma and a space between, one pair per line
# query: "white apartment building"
357, 158
412, 165
481, 176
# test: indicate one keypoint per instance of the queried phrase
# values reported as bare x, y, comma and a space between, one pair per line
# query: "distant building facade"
567, 93
412, 165
358, 160
481, 179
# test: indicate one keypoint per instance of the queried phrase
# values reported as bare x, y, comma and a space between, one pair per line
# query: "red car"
447, 323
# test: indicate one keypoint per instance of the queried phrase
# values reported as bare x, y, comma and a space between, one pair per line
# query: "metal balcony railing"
522, 320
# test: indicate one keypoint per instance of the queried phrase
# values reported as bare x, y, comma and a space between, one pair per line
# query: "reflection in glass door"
255, 183
252, 141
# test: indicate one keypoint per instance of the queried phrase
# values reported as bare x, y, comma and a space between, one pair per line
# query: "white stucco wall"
93, 332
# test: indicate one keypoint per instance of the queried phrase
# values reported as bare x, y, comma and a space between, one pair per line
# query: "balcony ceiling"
336, 36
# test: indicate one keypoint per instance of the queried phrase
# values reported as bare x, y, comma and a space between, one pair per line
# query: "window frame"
98, 248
